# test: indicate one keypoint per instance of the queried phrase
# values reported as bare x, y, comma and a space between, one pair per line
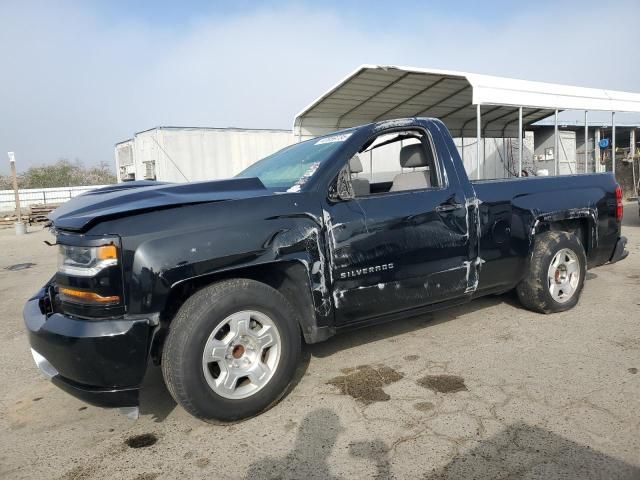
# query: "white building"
180, 154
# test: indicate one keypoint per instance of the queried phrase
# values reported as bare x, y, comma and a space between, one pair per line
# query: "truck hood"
85, 210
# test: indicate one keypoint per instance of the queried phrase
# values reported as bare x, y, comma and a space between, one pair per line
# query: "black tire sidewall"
212, 308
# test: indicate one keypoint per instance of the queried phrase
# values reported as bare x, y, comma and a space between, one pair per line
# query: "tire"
229, 318
550, 289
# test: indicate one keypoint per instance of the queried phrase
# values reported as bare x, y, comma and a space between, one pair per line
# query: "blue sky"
79, 76
179, 14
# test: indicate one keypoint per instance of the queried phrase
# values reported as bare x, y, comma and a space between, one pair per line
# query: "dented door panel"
397, 251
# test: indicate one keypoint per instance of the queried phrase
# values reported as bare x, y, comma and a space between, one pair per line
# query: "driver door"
396, 250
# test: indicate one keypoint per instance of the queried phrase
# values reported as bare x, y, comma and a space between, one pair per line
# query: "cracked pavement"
555, 396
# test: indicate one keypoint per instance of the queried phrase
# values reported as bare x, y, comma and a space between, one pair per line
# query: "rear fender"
566, 220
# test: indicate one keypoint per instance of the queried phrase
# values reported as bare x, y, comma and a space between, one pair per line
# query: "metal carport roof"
373, 93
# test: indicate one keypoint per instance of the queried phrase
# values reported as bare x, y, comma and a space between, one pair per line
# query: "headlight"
89, 280
86, 261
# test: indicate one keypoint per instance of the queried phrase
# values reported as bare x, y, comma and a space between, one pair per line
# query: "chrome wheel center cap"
238, 351
561, 274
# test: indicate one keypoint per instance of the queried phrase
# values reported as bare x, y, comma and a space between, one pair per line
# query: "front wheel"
556, 273
232, 350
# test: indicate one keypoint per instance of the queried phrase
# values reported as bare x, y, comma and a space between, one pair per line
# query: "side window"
395, 162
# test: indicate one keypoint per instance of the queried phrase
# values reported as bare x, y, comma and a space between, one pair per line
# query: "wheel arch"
583, 223
289, 277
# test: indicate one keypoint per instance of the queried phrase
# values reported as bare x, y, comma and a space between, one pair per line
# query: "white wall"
545, 140
192, 154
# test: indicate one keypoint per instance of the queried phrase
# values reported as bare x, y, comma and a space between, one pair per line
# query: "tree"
63, 173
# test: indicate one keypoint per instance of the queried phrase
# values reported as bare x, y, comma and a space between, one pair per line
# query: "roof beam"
456, 110
442, 101
464, 125
437, 82
501, 116
474, 118
383, 89
493, 119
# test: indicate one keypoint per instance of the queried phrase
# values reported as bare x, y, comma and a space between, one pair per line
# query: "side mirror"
342, 189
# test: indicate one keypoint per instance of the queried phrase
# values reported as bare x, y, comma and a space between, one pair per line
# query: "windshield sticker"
335, 139
305, 176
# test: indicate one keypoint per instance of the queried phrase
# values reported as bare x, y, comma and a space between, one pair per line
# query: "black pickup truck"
221, 282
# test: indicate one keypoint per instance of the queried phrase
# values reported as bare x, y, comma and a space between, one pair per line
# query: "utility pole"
20, 226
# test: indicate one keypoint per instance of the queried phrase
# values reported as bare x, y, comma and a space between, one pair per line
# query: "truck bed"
511, 207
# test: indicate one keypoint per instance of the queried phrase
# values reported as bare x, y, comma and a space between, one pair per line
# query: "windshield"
290, 168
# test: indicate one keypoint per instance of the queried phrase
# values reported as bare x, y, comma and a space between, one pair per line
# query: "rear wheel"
556, 273
232, 350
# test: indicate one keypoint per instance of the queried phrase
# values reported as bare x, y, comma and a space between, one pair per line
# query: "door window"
395, 162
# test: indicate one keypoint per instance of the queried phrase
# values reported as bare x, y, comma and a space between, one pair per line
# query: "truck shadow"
526, 451
518, 451
384, 331
155, 399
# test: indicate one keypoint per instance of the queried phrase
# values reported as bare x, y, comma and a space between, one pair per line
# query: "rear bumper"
619, 253
100, 362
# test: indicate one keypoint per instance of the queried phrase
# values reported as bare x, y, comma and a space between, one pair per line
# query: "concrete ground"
488, 390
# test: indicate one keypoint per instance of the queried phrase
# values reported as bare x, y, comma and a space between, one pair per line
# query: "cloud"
75, 81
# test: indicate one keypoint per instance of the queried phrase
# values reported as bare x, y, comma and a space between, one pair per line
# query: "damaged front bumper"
619, 253
101, 362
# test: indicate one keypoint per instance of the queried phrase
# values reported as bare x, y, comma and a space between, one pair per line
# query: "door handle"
447, 207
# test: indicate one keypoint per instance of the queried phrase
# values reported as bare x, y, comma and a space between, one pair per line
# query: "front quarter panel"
165, 248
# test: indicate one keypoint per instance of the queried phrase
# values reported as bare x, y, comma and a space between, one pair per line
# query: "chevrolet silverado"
221, 282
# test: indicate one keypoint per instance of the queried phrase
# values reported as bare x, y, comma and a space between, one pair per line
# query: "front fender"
163, 263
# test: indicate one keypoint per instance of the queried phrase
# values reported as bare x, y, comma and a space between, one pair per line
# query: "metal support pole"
586, 143
462, 149
632, 153
478, 135
596, 150
14, 176
505, 171
556, 148
613, 142
520, 142
484, 158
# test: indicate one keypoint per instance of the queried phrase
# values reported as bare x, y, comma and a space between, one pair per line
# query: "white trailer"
181, 154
